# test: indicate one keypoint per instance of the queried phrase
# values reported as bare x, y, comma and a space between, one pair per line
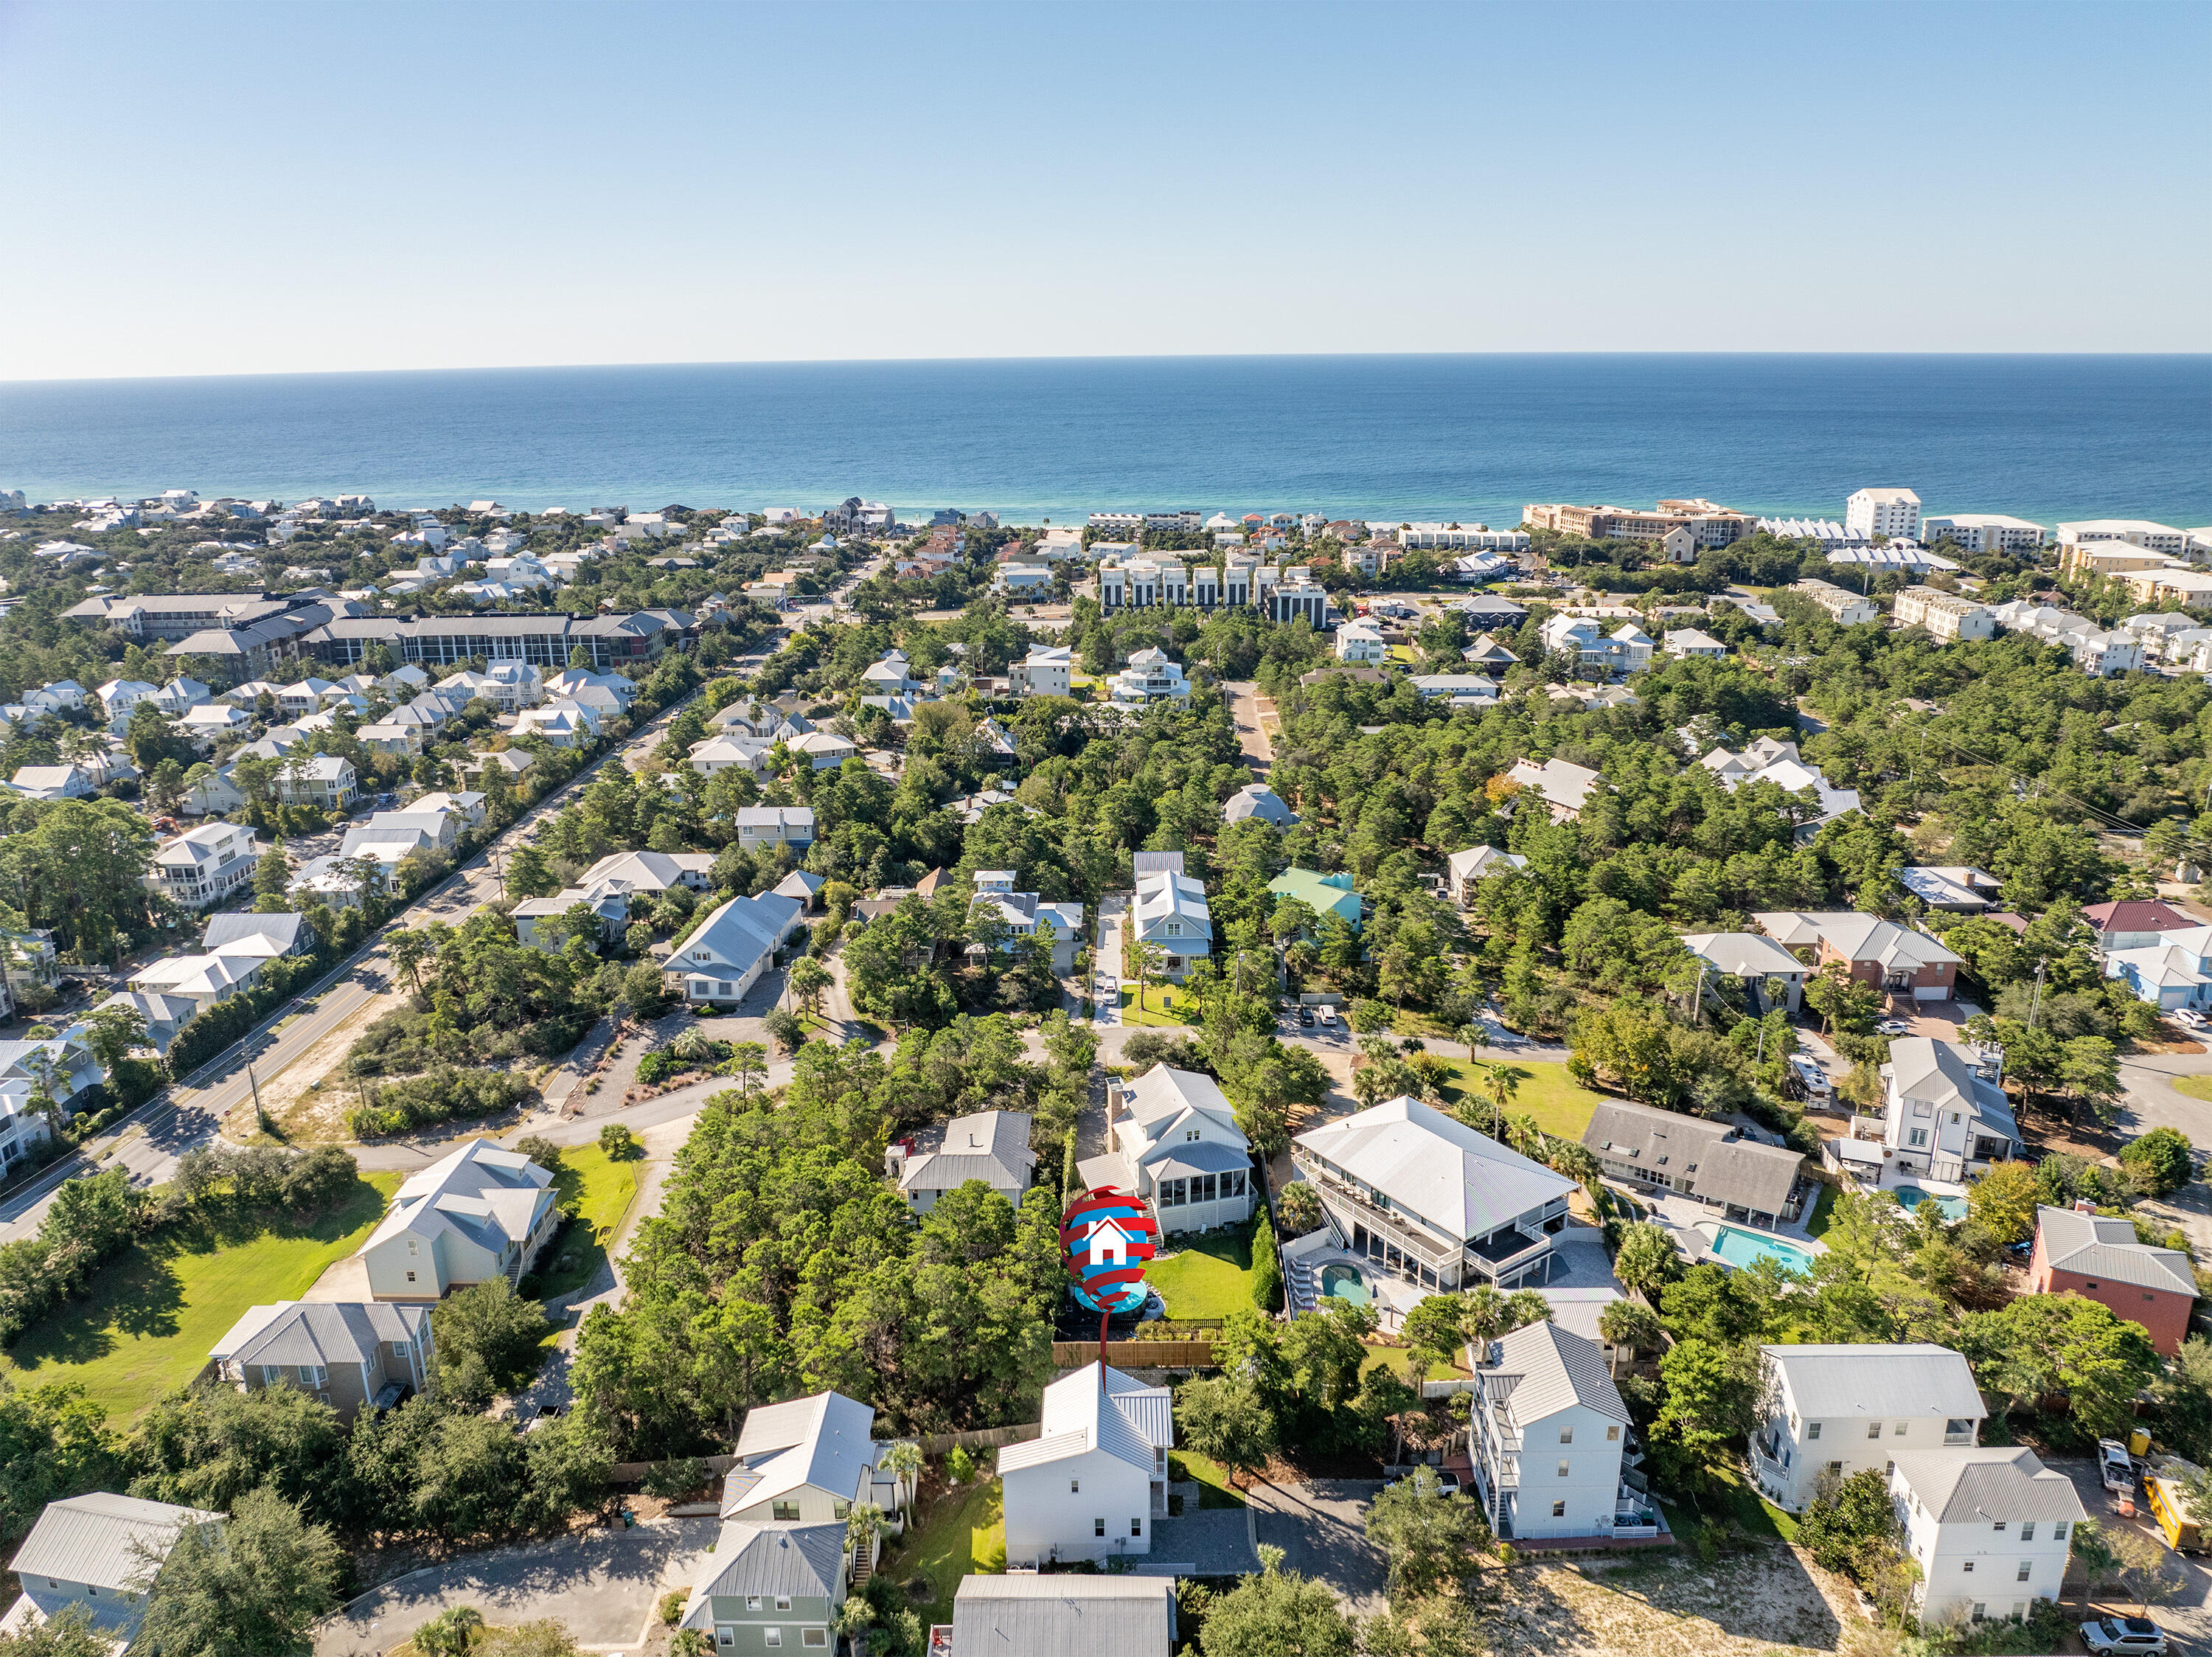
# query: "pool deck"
1692, 1224
1783, 1247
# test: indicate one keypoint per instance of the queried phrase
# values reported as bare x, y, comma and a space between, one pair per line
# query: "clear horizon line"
1115, 357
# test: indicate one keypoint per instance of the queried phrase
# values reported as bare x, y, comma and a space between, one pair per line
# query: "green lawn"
1560, 1104
1824, 1207
2194, 1087
1208, 1277
963, 1531
1159, 1008
1211, 1478
145, 1327
1738, 1504
596, 1192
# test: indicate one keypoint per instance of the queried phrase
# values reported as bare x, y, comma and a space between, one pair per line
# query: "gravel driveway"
1321, 1529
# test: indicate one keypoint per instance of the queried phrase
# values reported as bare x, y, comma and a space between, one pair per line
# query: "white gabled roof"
1553, 1370
97, 1540
1878, 1380
823, 1441
1163, 1094
1098, 1408
1457, 1179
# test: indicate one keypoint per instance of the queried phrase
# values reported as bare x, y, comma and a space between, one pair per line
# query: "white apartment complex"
1846, 609
1945, 615
2136, 532
1892, 512
1985, 531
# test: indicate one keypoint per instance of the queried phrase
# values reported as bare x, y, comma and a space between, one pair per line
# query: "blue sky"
232, 188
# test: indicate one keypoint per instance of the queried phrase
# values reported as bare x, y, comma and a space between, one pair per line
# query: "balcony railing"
1377, 1218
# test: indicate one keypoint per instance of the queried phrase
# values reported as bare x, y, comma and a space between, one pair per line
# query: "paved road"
603, 1584
1251, 736
188, 1115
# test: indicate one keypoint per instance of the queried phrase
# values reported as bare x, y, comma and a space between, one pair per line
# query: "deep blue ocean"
1456, 437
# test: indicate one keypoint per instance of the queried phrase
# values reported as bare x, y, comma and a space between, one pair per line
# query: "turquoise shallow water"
1464, 437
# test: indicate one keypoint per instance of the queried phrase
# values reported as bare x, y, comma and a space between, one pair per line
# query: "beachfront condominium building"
2134, 531
1712, 525
1892, 512
1462, 538
1945, 615
1983, 532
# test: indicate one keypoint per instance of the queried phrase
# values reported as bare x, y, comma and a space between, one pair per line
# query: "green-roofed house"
1324, 895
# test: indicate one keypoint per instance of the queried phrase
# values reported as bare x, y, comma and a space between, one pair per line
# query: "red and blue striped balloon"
1106, 1285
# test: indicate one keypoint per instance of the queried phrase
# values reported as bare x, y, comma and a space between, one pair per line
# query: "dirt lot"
1668, 1605
308, 1114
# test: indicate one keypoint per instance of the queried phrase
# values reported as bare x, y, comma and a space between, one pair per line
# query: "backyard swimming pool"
1740, 1248
1345, 1284
1911, 1197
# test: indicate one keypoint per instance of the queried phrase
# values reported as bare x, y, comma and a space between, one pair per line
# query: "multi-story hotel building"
1712, 525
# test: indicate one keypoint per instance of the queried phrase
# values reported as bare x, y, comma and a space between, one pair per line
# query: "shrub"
666, 1479
959, 1466
2163, 1161
619, 1143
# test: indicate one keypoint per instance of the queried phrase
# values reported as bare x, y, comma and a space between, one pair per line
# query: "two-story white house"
776, 825
1548, 1426
1047, 670
1090, 1484
98, 1552
479, 1213
991, 1146
1991, 1529
809, 1461
1844, 1408
1944, 1114
724, 957
1171, 914
1358, 643
1023, 913
1172, 1139
205, 865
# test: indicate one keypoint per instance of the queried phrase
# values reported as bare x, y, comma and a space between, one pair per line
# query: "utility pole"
2035, 1002
1698, 996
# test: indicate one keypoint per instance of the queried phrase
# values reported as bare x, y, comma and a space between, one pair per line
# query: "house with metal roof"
1753, 959
808, 1461
1172, 1139
273, 935
1548, 1429
2099, 1258
479, 1213
1844, 1408
724, 955
1257, 800
1944, 1114
1171, 914
1695, 1156
1957, 888
99, 1551
1428, 1200
1089, 1485
1991, 1528
351, 1354
1072, 1616
991, 1146
1024, 914
769, 1586
1561, 784
1467, 869
1324, 894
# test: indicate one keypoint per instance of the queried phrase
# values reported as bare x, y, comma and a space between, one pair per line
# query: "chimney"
2083, 1205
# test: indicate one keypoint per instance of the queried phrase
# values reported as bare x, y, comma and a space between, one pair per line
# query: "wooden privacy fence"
982, 1438
1135, 1354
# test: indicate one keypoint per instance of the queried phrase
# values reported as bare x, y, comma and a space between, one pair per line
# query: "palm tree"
1523, 1133
1500, 1082
904, 1459
694, 1642
862, 1526
1471, 1036
448, 1633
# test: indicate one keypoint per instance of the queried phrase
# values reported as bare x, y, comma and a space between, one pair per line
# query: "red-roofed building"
2136, 923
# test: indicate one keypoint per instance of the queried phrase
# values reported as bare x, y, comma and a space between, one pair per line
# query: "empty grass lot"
1160, 1005
1206, 1276
962, 1531
596, 1192
1211, 1477
1560, 1104
2194, 1087
145, 1327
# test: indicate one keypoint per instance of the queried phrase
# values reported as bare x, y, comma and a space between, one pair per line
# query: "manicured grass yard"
1160, 1005
1824, 1207
1213, 1479
964, 1531
2194, 1087
596, 1191
145, 1328
1207, 1277
1560, 1104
